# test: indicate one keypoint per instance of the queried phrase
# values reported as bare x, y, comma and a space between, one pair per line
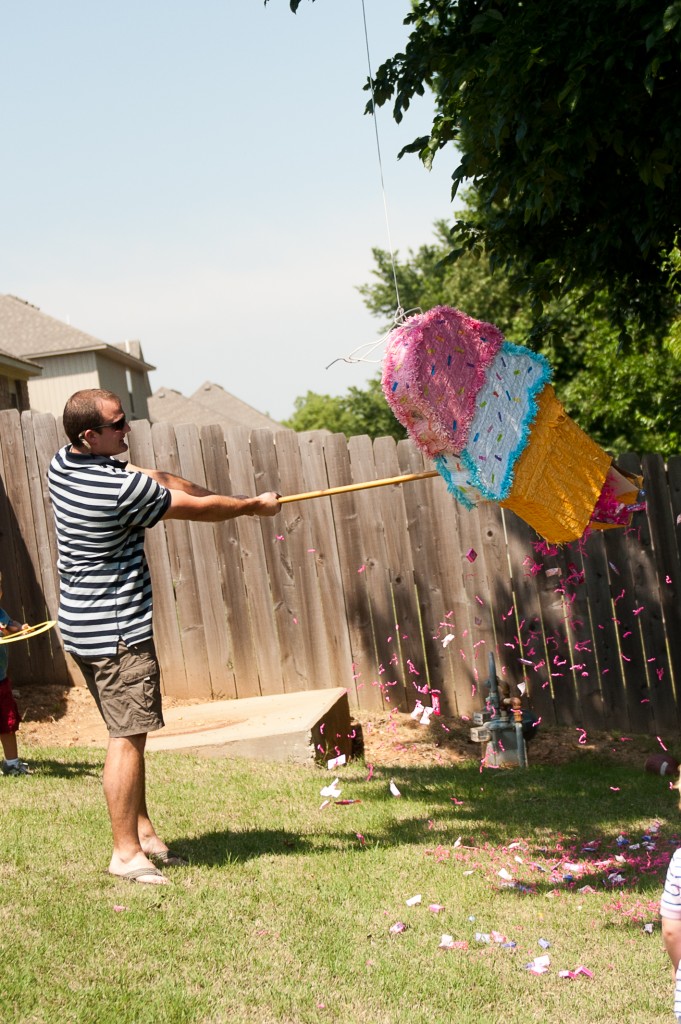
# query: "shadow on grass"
64, 769
584, 814
215, 849
578, 798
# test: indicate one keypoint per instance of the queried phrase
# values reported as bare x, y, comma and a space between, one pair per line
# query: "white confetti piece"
333, 790
539, 965
393, 789
414, 901
336, 762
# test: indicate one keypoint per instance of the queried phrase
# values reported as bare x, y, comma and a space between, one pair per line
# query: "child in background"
9, 712
670, 911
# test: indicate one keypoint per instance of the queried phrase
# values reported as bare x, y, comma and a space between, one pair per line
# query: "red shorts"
10, 718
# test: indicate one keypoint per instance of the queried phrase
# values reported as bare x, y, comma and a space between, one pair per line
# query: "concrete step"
298, 727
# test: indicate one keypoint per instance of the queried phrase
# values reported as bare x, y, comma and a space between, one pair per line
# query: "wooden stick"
359, 487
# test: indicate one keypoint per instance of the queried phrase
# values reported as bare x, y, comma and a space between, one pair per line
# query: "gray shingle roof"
209, 404
231, 409
25, 331
167, 405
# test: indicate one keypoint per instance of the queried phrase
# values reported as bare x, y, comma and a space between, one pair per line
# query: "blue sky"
202, 177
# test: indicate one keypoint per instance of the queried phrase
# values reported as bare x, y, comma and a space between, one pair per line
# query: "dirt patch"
53, 717
395, 739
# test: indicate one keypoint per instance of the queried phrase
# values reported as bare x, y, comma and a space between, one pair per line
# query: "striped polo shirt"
101, 512
670, 906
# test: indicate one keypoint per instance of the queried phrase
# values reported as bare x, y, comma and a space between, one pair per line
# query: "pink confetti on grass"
582, 738
447, 942
661, 743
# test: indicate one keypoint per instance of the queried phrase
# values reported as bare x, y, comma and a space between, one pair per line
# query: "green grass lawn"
284, 914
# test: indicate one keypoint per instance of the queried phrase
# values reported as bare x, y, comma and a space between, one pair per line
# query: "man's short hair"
83, 411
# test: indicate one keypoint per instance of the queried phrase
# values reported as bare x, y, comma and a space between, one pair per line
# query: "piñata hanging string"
362, 352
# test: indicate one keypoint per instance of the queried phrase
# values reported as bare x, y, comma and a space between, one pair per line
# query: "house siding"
64, 375
113, 377
141, 392
61, 377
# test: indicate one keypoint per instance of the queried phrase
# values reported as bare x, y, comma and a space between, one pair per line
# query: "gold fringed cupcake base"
559, 476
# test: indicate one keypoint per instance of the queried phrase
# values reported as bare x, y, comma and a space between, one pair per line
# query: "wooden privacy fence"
389, 592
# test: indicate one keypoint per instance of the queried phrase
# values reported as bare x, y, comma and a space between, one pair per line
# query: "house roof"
30, 333
21, 368
235, 412
209, 404
167, 405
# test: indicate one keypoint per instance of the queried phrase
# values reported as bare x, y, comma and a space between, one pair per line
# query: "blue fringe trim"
542, 378
455, 491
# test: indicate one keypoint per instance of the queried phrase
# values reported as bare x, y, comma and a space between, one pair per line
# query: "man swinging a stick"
102, 508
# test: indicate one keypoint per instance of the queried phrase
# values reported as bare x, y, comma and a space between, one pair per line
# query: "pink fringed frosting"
434, 365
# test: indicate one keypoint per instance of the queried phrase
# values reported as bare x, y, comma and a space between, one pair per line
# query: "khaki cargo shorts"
126, 687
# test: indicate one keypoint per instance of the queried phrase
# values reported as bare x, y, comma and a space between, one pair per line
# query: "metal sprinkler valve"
499, 727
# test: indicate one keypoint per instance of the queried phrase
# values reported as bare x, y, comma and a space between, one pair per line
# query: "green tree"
425, 279
562, 117
360, 411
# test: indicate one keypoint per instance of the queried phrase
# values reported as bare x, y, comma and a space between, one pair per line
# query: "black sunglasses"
118, 424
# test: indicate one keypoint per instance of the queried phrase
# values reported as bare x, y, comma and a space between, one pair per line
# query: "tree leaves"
564, 117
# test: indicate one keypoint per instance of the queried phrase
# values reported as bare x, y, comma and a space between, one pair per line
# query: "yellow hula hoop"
31, 631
